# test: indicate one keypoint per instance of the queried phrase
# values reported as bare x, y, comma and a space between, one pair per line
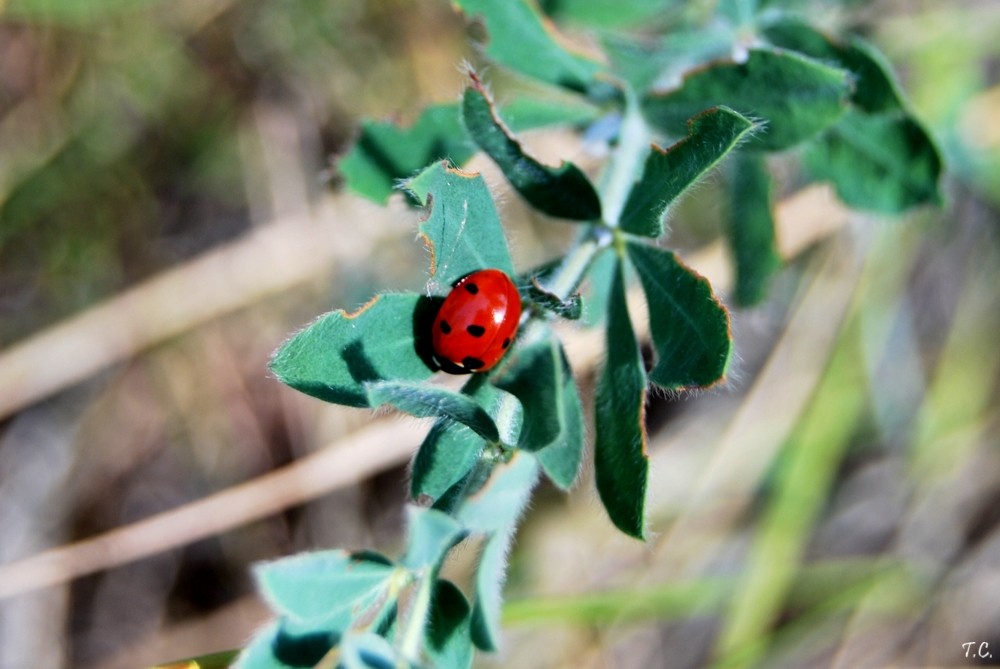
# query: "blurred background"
170, 211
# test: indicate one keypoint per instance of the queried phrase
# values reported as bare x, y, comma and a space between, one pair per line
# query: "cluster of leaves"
752, 77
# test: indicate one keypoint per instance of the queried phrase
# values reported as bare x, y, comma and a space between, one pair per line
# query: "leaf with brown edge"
668, 173
462, 229
563, 192
333, 357
521, 39
689, 325
621, 465
798, 97
385, 152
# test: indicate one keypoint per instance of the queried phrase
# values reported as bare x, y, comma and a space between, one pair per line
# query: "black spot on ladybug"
472, 288
445, 328
506, 342
472, 363
475, 330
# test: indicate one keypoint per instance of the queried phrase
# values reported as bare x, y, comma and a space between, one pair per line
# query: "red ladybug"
477, 322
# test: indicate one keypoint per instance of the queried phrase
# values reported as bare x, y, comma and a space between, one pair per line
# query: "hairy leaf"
490, 577
500, 501
621, 465
432, 534
428, 401
796, 96
539, 376
643, 64
451, 450
384, 153
518, 38
449, 641
689, 325
751, 228
328, 587
447, 455
875, 88
493, 510
884, 163
337, 354
533, 374
564, 191
562, 458
286, 645
463, 230
369, 651
668, 173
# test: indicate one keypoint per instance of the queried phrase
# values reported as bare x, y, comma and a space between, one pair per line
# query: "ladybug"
477, 322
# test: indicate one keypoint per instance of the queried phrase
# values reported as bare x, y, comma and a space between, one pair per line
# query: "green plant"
735, 75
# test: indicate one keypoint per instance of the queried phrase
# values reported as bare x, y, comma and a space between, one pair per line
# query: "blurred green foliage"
131, 131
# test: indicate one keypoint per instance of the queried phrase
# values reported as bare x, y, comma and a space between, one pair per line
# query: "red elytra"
477, 322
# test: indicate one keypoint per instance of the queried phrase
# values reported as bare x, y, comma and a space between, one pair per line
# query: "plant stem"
576, 263
626, 160
413, 635
625, 164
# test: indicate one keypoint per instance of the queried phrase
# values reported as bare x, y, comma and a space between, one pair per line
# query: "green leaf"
533, 374
503, 407
668, 173
432, 534
529, 113
493, 510
539, 376
384, 153
797, 97
369, 651
285, 645
463, 230
562, 458
447, 455
519, 39
563, 192
644, 63
884, 163
875, 88
689, 326
751, 228
337, 354
451, 450
426, 401
606, 13
328, 587
621, 466
490, 576
449, 641
499, 503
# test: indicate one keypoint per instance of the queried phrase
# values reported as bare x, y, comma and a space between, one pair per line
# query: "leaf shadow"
303, 650
423, 322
